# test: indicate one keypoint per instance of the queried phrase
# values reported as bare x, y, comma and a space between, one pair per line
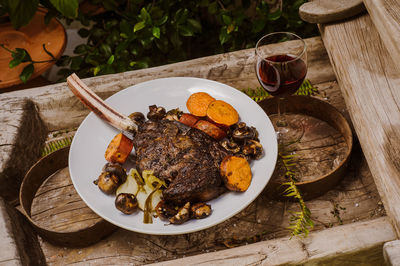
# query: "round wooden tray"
70, 222
30, 37
321, 110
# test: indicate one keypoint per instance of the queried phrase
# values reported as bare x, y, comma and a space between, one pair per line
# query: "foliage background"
134, 34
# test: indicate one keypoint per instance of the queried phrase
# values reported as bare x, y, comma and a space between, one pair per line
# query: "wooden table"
351, 223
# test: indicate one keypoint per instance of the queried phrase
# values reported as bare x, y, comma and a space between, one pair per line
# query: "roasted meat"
186, 158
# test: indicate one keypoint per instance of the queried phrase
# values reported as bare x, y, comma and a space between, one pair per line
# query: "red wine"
281, 75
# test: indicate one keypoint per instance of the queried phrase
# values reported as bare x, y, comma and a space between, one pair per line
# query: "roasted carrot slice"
118, 149
198, 102
222, 113
188, 119
210, 129
236, 173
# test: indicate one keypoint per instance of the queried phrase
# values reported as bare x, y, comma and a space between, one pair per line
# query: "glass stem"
281, 122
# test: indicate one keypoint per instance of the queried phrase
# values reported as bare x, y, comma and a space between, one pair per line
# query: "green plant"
135, 34
20, 12
300, 221
20, 55
259, 94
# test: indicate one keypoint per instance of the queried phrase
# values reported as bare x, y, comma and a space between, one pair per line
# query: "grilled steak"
186, 158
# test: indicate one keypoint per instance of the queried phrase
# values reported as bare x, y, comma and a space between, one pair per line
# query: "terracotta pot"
31, 37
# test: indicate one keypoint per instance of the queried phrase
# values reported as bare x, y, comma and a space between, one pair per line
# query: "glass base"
288, 129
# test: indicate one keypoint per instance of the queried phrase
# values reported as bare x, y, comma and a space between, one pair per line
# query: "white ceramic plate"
86, 157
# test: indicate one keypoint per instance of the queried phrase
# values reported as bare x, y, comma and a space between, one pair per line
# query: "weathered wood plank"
21, 133
9, 251
351, 244
19, 244
391, 253
369, 82
354, 199
385, 15
327, 11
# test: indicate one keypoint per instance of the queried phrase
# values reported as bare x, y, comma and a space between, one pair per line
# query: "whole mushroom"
156, 113
165, 210
242, 132
252, 149
126, 203
230, 146
182, 216
112, 176
200, 210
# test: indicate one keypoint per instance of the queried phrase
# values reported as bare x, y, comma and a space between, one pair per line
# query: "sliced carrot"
221, 126
222, 113
210, 129
188, 119
236, 173
118, 149
198, 102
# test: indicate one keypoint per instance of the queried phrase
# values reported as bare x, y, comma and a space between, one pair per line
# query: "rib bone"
99, 107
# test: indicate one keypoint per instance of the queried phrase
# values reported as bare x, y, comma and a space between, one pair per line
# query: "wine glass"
281, 67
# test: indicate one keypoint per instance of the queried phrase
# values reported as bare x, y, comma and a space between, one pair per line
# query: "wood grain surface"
370, 85
327, 11
354, 199
385, 14
314, 250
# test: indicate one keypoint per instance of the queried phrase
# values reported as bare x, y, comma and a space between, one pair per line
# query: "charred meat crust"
186, 158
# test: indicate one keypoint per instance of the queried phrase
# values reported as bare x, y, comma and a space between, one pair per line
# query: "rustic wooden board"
385, 15
314, 250
327, 11
391, 253
353, 200
370, 85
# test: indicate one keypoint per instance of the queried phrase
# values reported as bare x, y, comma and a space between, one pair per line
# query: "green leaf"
21, 54
156, 32
275, 15
96, 70
21, 11
181, 16
64, 61
162, 20
83, 32
27, 73
226, 19
110, 60
76, 62
125, 27
14, 63
69, 8
213, 8
106, 50
231, 28
185, 31
194, 24
121, 47
138, 26
81, 49
223, 35
145, 16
